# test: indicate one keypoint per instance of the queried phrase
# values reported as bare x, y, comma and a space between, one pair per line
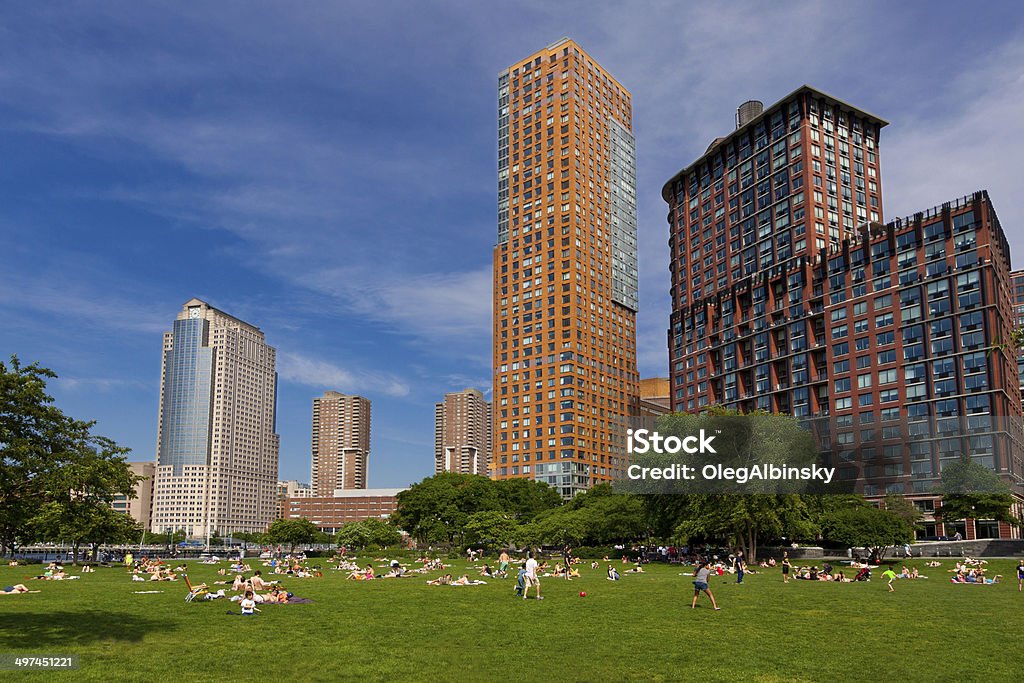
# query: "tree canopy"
57, 479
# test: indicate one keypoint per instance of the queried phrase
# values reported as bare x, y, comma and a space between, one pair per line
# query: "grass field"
641, 628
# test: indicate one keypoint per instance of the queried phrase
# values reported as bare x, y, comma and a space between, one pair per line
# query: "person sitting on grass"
487, 571
239, 583
87, 569
248, 605
573, 573
613, 573
16, 588
595, 565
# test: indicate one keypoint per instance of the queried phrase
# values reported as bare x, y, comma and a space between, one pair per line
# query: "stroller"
863, 575
194, 592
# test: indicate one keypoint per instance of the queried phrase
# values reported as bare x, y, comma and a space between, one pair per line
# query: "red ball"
583, 594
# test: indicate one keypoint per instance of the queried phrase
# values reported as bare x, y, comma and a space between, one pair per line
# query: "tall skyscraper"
462, 433
217, 446
565, 278
791, 296
341, 442
789, 183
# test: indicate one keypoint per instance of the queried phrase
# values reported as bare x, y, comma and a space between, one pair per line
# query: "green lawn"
641, 628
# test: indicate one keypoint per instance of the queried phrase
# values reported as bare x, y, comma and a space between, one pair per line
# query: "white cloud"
321, 374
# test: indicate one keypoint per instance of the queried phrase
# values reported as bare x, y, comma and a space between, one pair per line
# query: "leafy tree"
524, 499
292, 532
743, 515
368, 532
492, 528
55, 475
870, 527
972, 491
437, 509
899, 505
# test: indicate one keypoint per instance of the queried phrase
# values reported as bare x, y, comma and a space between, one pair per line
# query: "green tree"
899, 505
492, 528
437, 509
744, 515
972, 491
292, 532
367, 532
55, 475
869, 527
524, 499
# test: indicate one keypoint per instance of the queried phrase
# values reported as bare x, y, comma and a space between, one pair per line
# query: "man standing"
531, 577
741, 567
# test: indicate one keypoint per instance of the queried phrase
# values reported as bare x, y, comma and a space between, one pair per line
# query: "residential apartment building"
462, 433
341, 442
565, 271
217, 446
791, 296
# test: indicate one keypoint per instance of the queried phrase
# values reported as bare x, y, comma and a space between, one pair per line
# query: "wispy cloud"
321, 374
970, 140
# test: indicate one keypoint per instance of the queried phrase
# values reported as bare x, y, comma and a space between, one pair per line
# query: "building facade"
329, 513
884, 337
217, 446
655, 397
565, 271
1017, 282
141, 506
291, 489
462, 433
341, 443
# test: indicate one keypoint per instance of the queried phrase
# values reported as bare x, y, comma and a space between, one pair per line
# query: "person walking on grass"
889, 575
1020, 576
531, 577
786, 566
700, 584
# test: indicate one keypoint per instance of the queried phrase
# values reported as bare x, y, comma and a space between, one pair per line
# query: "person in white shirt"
531, 577
248, 605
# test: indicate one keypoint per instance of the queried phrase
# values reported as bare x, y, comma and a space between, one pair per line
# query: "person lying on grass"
364, 575
16, 589
464, 580
441, 581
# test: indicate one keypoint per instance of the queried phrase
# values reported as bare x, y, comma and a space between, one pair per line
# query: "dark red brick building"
790, 295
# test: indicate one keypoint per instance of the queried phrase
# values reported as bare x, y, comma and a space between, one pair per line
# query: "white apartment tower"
217, 446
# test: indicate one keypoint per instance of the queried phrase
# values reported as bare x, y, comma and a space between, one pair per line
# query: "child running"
1020, 576
700, 583
890, 575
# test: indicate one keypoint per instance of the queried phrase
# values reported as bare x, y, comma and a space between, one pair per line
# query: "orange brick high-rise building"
565, 271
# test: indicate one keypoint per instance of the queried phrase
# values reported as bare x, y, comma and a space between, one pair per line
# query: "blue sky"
326, 171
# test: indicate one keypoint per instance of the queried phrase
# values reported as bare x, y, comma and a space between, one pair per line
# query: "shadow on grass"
31, 630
